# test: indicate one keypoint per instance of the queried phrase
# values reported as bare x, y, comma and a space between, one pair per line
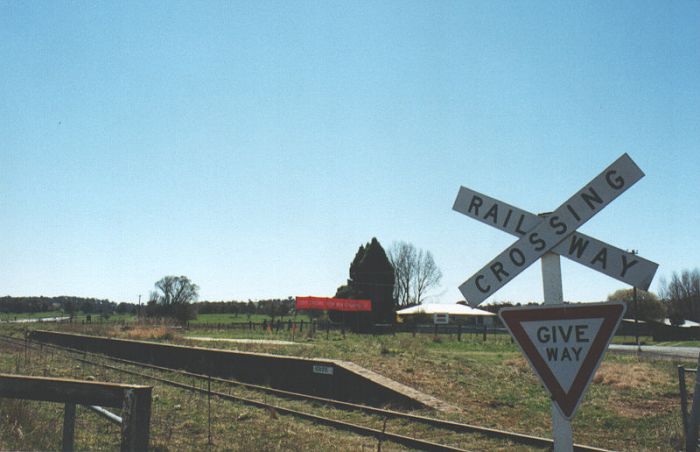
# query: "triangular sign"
564, 344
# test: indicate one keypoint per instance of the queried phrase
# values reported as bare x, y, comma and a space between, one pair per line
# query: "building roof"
444, 308
685, 324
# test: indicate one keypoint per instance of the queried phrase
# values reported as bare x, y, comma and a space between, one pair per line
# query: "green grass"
644, 340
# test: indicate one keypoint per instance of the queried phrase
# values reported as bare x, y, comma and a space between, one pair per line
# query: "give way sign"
564, 344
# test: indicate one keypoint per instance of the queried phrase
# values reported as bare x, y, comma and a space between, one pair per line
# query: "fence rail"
134, 401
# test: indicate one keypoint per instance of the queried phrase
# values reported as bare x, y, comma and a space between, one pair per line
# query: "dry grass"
625, 376
148, 332
26, 425
518, 363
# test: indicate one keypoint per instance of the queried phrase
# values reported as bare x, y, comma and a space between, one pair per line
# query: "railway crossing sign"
555, 232
564, 345
593, 253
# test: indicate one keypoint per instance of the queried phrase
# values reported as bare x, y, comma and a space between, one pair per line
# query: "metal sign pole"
553, 294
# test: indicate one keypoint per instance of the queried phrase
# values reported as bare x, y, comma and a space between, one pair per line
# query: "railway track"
246, 396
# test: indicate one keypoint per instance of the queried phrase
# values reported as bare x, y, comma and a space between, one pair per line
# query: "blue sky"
253, 146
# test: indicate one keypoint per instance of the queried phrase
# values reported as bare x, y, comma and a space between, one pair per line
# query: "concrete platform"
328, 378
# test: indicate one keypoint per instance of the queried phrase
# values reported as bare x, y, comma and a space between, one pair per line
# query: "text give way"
564, 344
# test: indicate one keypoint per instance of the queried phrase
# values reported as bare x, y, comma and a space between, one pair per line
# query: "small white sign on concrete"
324, 370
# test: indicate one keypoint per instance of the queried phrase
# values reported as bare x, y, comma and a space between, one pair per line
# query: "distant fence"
321, 326
663, 333
134, 402
659, 332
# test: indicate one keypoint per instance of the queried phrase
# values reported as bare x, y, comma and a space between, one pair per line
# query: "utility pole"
636, 309
139, 313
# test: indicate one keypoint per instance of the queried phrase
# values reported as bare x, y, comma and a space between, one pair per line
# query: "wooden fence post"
136, 419
68, 428
691, 433
684, 397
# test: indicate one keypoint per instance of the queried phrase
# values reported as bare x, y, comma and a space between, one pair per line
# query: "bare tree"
415, 272
682, 295
174, 297
402, 256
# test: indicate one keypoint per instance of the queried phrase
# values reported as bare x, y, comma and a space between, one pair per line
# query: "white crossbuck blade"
556, 232
593, 253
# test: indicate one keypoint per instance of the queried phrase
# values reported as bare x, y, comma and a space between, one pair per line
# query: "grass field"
632, 404
8, 316
241, 318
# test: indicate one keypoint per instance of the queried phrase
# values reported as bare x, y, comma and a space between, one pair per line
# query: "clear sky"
253, 146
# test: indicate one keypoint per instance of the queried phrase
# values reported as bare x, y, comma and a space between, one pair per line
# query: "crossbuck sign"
555, 232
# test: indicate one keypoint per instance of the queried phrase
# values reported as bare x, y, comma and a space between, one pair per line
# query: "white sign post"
553, 295
583, 335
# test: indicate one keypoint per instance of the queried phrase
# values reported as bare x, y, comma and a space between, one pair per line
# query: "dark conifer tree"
371, 277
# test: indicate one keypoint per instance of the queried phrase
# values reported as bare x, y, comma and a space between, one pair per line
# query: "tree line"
678, 300
67, 304
401, 277
276, 307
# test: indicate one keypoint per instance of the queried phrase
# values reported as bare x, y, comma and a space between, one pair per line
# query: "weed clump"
149, 332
